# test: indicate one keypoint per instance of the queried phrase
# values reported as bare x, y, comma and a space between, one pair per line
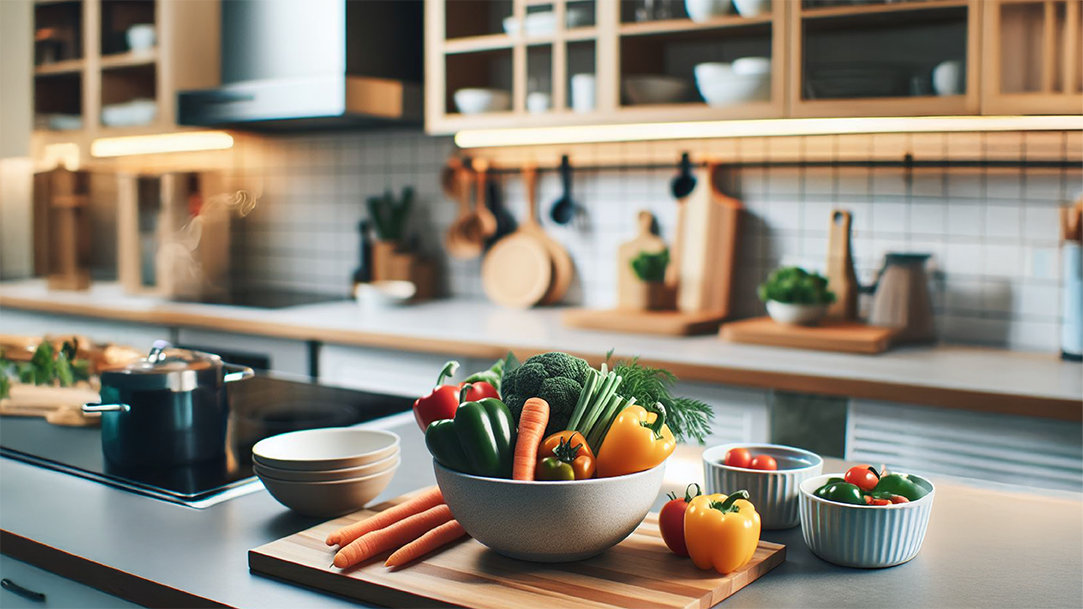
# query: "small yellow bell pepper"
721, 532
637, 440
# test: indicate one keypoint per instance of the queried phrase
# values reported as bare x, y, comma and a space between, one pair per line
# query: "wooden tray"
638, 572
669, 323
829, 335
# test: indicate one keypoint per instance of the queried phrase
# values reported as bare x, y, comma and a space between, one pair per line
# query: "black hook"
685, 182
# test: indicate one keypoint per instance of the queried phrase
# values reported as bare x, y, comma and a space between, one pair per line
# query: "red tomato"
899, 499
738, 457
862, 477
671, 520
764, 462
880, 501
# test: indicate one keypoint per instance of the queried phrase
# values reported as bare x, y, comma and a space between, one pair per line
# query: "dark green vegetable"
651, 267
900, 484
841, 492
480, 439
555, 377
794, 285
688, 418
389, 215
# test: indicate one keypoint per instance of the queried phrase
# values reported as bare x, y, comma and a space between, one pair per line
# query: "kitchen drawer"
1001, 448
59, 591
29, 323
284, 355
387, 371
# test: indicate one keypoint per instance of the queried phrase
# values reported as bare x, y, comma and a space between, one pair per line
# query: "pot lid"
165, 367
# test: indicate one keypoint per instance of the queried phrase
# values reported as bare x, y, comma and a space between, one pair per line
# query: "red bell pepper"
441, 401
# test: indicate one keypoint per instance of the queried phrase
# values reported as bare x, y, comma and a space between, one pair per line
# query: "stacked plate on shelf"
326, 472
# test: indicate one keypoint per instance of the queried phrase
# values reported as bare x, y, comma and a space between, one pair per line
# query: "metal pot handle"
91, 407
238, 373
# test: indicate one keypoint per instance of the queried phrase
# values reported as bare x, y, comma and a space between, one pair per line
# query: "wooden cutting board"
665, 323
707, 252
829, 335
638, 572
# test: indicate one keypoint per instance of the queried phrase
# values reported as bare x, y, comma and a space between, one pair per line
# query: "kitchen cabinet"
59, 591
113, 67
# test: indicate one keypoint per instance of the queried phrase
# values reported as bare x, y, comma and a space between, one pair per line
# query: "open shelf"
682, 26
67, 66
119, 15
879, 9
129, 59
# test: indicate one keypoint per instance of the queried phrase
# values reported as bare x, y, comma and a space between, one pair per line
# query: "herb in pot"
651, 267
795, 285
389, 214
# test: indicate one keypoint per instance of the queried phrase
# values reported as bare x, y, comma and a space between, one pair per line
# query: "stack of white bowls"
326, 472
745, 80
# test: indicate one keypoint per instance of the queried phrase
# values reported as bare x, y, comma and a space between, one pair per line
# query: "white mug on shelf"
141, 37
537, 102
949, 77
583, 92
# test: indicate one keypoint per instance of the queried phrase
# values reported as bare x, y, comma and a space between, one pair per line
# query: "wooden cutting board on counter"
829, 335
638, 572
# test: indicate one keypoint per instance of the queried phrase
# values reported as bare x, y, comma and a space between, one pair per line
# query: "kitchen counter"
951, 376
986, 546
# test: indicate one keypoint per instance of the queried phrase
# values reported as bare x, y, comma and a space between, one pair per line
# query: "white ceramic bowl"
343, 473
654, 89
550, 521
752, 8
712, 72
864, 536
511, 26
326, 499
718, 90
538, 102
383, 294
749, 66
141, 37
479, 101
705, 10
540, 24
324, 449
795, 314
774, 493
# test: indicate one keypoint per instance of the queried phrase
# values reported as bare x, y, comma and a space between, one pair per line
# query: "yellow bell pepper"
637, 440
721, 532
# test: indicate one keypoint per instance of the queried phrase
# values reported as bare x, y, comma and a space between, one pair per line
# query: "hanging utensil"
841, 278
486, 221
518, 270
464, 239
563, 268
685, 182
563, 210
505, 222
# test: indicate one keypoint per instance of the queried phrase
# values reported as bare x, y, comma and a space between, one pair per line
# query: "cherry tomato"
873, 501
899, 499
764, 462
738, 457
862, 477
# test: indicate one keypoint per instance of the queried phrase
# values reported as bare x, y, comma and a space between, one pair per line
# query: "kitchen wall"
992, 232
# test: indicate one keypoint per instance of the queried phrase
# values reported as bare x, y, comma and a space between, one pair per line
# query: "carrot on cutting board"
429, 498
532, 422
394, 536
429, 542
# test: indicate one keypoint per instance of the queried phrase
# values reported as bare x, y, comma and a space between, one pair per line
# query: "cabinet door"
59, 591
1033, 59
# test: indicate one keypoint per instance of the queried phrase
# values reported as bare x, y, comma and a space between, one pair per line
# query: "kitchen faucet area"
541, 303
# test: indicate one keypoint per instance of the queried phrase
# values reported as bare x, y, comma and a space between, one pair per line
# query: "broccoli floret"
555, 377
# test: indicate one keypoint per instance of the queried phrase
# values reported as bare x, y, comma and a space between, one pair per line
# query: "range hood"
289, 65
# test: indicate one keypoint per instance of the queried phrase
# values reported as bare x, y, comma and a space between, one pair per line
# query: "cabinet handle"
11, 586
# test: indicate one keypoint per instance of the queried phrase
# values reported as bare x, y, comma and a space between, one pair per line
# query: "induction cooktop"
259, 407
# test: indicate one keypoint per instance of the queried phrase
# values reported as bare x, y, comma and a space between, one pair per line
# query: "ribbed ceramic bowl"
774, 493
550, 521
864, 536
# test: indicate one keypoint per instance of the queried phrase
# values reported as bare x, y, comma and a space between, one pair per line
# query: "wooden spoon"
463, 237
485, 219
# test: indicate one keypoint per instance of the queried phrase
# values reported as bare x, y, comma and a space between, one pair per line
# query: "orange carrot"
394, 536
429, 542
532, 422
429, 498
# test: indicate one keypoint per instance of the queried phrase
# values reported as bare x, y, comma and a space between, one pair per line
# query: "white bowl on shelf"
752, 8
141, 37
705, 10
654, 89
795, 314
479, 100
720, 85
751, 66
129, 114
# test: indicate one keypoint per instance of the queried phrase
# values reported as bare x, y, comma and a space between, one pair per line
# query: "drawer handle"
11, 586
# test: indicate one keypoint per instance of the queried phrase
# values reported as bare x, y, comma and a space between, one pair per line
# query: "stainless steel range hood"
290, 64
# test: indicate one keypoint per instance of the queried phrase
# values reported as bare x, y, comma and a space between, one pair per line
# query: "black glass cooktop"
259, 407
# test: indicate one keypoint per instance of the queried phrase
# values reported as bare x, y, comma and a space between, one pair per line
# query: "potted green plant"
388, 216
650, 269
796, 296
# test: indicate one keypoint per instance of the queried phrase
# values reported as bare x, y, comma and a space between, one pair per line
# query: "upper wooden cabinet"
567, 62
113, 67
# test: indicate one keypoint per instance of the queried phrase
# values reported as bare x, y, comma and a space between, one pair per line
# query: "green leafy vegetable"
389, 214
688, 418
46, 366
495, 374
651, 267
794, 285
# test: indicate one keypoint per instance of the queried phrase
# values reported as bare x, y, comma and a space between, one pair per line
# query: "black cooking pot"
168, 409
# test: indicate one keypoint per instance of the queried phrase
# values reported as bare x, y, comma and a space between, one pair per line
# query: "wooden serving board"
829, 335
638, 572
668, 323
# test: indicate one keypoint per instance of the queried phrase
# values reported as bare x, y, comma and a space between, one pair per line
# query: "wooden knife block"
391, 265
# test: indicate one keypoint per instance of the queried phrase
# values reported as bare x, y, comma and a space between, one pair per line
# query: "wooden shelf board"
130, 59
680, 26
878, 9
67, 66
471, 44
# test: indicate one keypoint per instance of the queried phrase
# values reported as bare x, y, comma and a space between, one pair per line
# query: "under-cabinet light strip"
188, 141
637, 132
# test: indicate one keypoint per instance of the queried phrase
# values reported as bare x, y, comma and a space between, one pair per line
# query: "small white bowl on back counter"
773, 492
864, 536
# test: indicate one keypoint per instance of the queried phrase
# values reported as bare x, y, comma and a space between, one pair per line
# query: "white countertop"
949, 375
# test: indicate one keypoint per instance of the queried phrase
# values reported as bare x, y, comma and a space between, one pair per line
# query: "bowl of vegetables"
555, 460
795, 296
771, 473
864, 518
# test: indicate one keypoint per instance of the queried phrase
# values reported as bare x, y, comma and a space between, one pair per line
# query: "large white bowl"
773, 492
865, 536
344, 473
479, 101
550, 521
326, 499
752, 8
654, 89
324, 449
718, 89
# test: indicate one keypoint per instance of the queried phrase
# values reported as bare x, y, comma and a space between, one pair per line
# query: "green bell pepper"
479, 440
841, 492
900, 484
